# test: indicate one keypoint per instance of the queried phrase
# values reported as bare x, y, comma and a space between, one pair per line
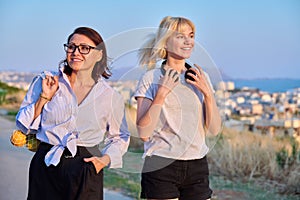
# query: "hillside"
11, 97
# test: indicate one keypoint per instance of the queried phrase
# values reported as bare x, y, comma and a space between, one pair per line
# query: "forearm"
39, 105
213, 120
49, 88
147, 123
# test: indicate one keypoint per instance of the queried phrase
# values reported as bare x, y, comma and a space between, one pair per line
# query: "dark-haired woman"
72, 111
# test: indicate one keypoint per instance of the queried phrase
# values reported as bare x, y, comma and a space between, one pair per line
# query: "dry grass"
252, 157
244, 156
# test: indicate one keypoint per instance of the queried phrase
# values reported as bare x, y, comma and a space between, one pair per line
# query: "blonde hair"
154, 49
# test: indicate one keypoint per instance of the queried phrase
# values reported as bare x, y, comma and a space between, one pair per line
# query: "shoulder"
151, 75
45, 73
41, 75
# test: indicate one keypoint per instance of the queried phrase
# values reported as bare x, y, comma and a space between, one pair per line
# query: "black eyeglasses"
82, 48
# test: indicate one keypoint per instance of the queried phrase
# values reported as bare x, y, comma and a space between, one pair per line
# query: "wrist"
208, 94
160, 97
45, 97
105, 159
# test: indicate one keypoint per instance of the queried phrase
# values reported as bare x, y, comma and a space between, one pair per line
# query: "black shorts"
71, 179
164, 178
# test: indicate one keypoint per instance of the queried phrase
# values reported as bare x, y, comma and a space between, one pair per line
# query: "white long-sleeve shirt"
65, 124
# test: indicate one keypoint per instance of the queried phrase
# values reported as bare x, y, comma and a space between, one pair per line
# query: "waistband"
165, 159
153, 163
81, 150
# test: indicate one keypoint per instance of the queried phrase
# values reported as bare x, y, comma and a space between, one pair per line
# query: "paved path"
14, 165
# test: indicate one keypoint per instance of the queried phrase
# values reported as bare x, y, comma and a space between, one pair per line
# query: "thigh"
160, 183
44, 182
196, 183
81, 179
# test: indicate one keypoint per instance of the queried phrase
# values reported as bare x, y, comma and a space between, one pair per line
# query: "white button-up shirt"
65, 124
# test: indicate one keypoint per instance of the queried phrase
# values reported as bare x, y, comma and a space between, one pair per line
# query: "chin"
185, 56
76, 67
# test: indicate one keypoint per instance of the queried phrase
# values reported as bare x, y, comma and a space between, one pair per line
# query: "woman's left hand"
200, 80
98, 162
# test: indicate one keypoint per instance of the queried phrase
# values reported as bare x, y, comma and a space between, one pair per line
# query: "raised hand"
168, 81
200, 81
49, 86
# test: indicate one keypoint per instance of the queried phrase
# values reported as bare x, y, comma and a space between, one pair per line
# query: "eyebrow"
80, 44
180, 33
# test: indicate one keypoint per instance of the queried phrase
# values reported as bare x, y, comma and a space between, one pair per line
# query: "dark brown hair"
101, 67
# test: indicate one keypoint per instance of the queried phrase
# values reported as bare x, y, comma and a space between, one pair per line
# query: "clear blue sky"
246, 39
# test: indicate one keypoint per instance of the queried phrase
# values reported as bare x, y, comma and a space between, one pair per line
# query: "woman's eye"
85, 48
71, 47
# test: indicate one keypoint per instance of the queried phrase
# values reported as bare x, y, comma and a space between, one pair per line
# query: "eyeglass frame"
77, 47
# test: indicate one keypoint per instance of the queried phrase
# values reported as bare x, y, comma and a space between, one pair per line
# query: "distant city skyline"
245, 39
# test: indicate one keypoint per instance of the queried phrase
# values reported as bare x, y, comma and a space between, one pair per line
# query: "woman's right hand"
168, 82
49, 86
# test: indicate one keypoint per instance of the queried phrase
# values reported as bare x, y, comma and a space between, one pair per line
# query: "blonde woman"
176, 109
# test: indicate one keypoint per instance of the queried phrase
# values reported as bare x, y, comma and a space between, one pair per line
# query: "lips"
76, 59
187, 48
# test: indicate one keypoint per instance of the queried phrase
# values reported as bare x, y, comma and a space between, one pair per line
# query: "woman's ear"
99, 55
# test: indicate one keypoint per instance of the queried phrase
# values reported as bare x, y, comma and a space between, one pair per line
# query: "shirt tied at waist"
55, 153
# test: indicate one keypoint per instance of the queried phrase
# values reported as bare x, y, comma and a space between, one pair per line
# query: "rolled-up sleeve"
25, 118
117, 137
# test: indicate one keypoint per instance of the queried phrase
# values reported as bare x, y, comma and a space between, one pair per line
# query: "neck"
178, 65
81, 78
